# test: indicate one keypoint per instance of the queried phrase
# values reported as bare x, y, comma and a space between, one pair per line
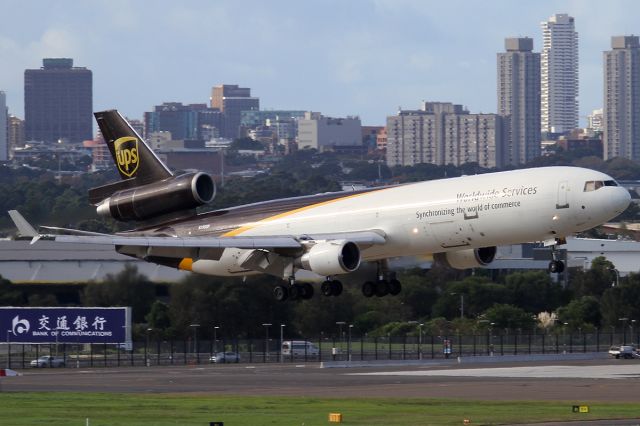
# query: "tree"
581, 312
509, 316
127, 288
479, 294
594, 281
533, 291
621, 301
158, 317
9, 296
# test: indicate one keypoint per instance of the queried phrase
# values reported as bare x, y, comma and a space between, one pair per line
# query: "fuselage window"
599, 184
610, 183
589, 186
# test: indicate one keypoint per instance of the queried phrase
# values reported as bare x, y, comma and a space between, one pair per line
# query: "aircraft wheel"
281, 293
368, 289
336, 288
382, 288
295, 292
325, 288
394, 287
307, 291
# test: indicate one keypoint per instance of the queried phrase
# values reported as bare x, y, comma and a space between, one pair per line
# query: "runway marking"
624, 371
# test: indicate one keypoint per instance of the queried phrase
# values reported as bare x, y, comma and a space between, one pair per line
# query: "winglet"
24, 228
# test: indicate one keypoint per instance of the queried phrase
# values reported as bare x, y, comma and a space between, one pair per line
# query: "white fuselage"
451, 214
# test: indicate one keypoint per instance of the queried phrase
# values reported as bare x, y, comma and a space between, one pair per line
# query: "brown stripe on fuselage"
233, 221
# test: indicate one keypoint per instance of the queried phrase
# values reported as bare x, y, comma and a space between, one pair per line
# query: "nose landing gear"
556, 266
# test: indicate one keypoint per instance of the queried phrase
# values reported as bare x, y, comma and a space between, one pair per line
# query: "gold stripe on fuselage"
249, 226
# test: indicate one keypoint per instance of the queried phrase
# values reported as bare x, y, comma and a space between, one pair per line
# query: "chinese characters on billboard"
65, 325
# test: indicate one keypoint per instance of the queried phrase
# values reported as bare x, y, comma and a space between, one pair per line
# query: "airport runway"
578, 381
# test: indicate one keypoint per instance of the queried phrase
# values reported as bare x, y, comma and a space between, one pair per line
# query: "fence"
361, 348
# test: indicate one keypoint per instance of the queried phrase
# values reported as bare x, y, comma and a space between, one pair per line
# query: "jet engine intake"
331, 258
170, 195
468, 258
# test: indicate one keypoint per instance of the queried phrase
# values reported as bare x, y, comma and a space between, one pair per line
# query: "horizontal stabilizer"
24, 228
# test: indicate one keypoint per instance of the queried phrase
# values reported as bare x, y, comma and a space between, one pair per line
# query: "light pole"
340, 324
631, 326
195, 341
624, 329
8, 348
266, 326
461, 303
491, 324
419, 324
146, 349
349, 344
282, 326
215, 339
564, 337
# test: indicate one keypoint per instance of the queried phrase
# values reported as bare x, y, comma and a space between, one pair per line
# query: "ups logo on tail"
127, 155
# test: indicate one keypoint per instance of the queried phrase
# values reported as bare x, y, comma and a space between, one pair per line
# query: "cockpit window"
593, 185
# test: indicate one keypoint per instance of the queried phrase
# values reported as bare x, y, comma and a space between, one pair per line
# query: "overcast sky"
356, 57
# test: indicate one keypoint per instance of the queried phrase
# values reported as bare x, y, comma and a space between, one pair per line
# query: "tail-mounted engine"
163, 197
468, 258
331, 258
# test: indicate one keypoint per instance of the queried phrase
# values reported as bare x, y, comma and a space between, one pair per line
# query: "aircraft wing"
363, 238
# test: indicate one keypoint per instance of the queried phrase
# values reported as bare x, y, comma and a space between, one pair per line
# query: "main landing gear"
556, 266
293, 291
385, 284
382, 286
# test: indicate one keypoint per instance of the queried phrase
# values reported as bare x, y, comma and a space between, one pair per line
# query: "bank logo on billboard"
66, 325
20, 326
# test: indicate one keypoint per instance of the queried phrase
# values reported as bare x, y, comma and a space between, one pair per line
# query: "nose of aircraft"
621, 200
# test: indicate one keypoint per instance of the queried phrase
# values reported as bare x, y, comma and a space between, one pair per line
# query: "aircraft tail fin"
137, 164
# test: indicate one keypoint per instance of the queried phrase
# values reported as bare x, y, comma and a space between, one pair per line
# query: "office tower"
4, 128
519, 100
231, 100
559, 75
182, 121
621, 113
322, 133
58, 102
443, 133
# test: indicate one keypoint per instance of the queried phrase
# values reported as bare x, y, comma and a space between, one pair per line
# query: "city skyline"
364, 58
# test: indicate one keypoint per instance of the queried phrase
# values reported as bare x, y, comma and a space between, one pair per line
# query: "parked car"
623, 351
225, 357
48, 361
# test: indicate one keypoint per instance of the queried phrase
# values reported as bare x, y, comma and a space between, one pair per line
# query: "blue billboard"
65, 325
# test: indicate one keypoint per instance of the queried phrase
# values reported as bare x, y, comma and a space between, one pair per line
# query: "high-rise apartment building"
621, 115
559, 75
231, 100
443, 133
16, 133
58, 102
4, 128
519, 100
595, 120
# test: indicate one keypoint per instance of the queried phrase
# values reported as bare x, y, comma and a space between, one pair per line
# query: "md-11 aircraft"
459, 220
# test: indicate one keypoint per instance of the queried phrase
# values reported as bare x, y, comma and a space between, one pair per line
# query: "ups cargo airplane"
459, 220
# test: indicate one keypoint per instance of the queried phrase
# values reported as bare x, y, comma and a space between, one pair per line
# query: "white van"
299, 348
